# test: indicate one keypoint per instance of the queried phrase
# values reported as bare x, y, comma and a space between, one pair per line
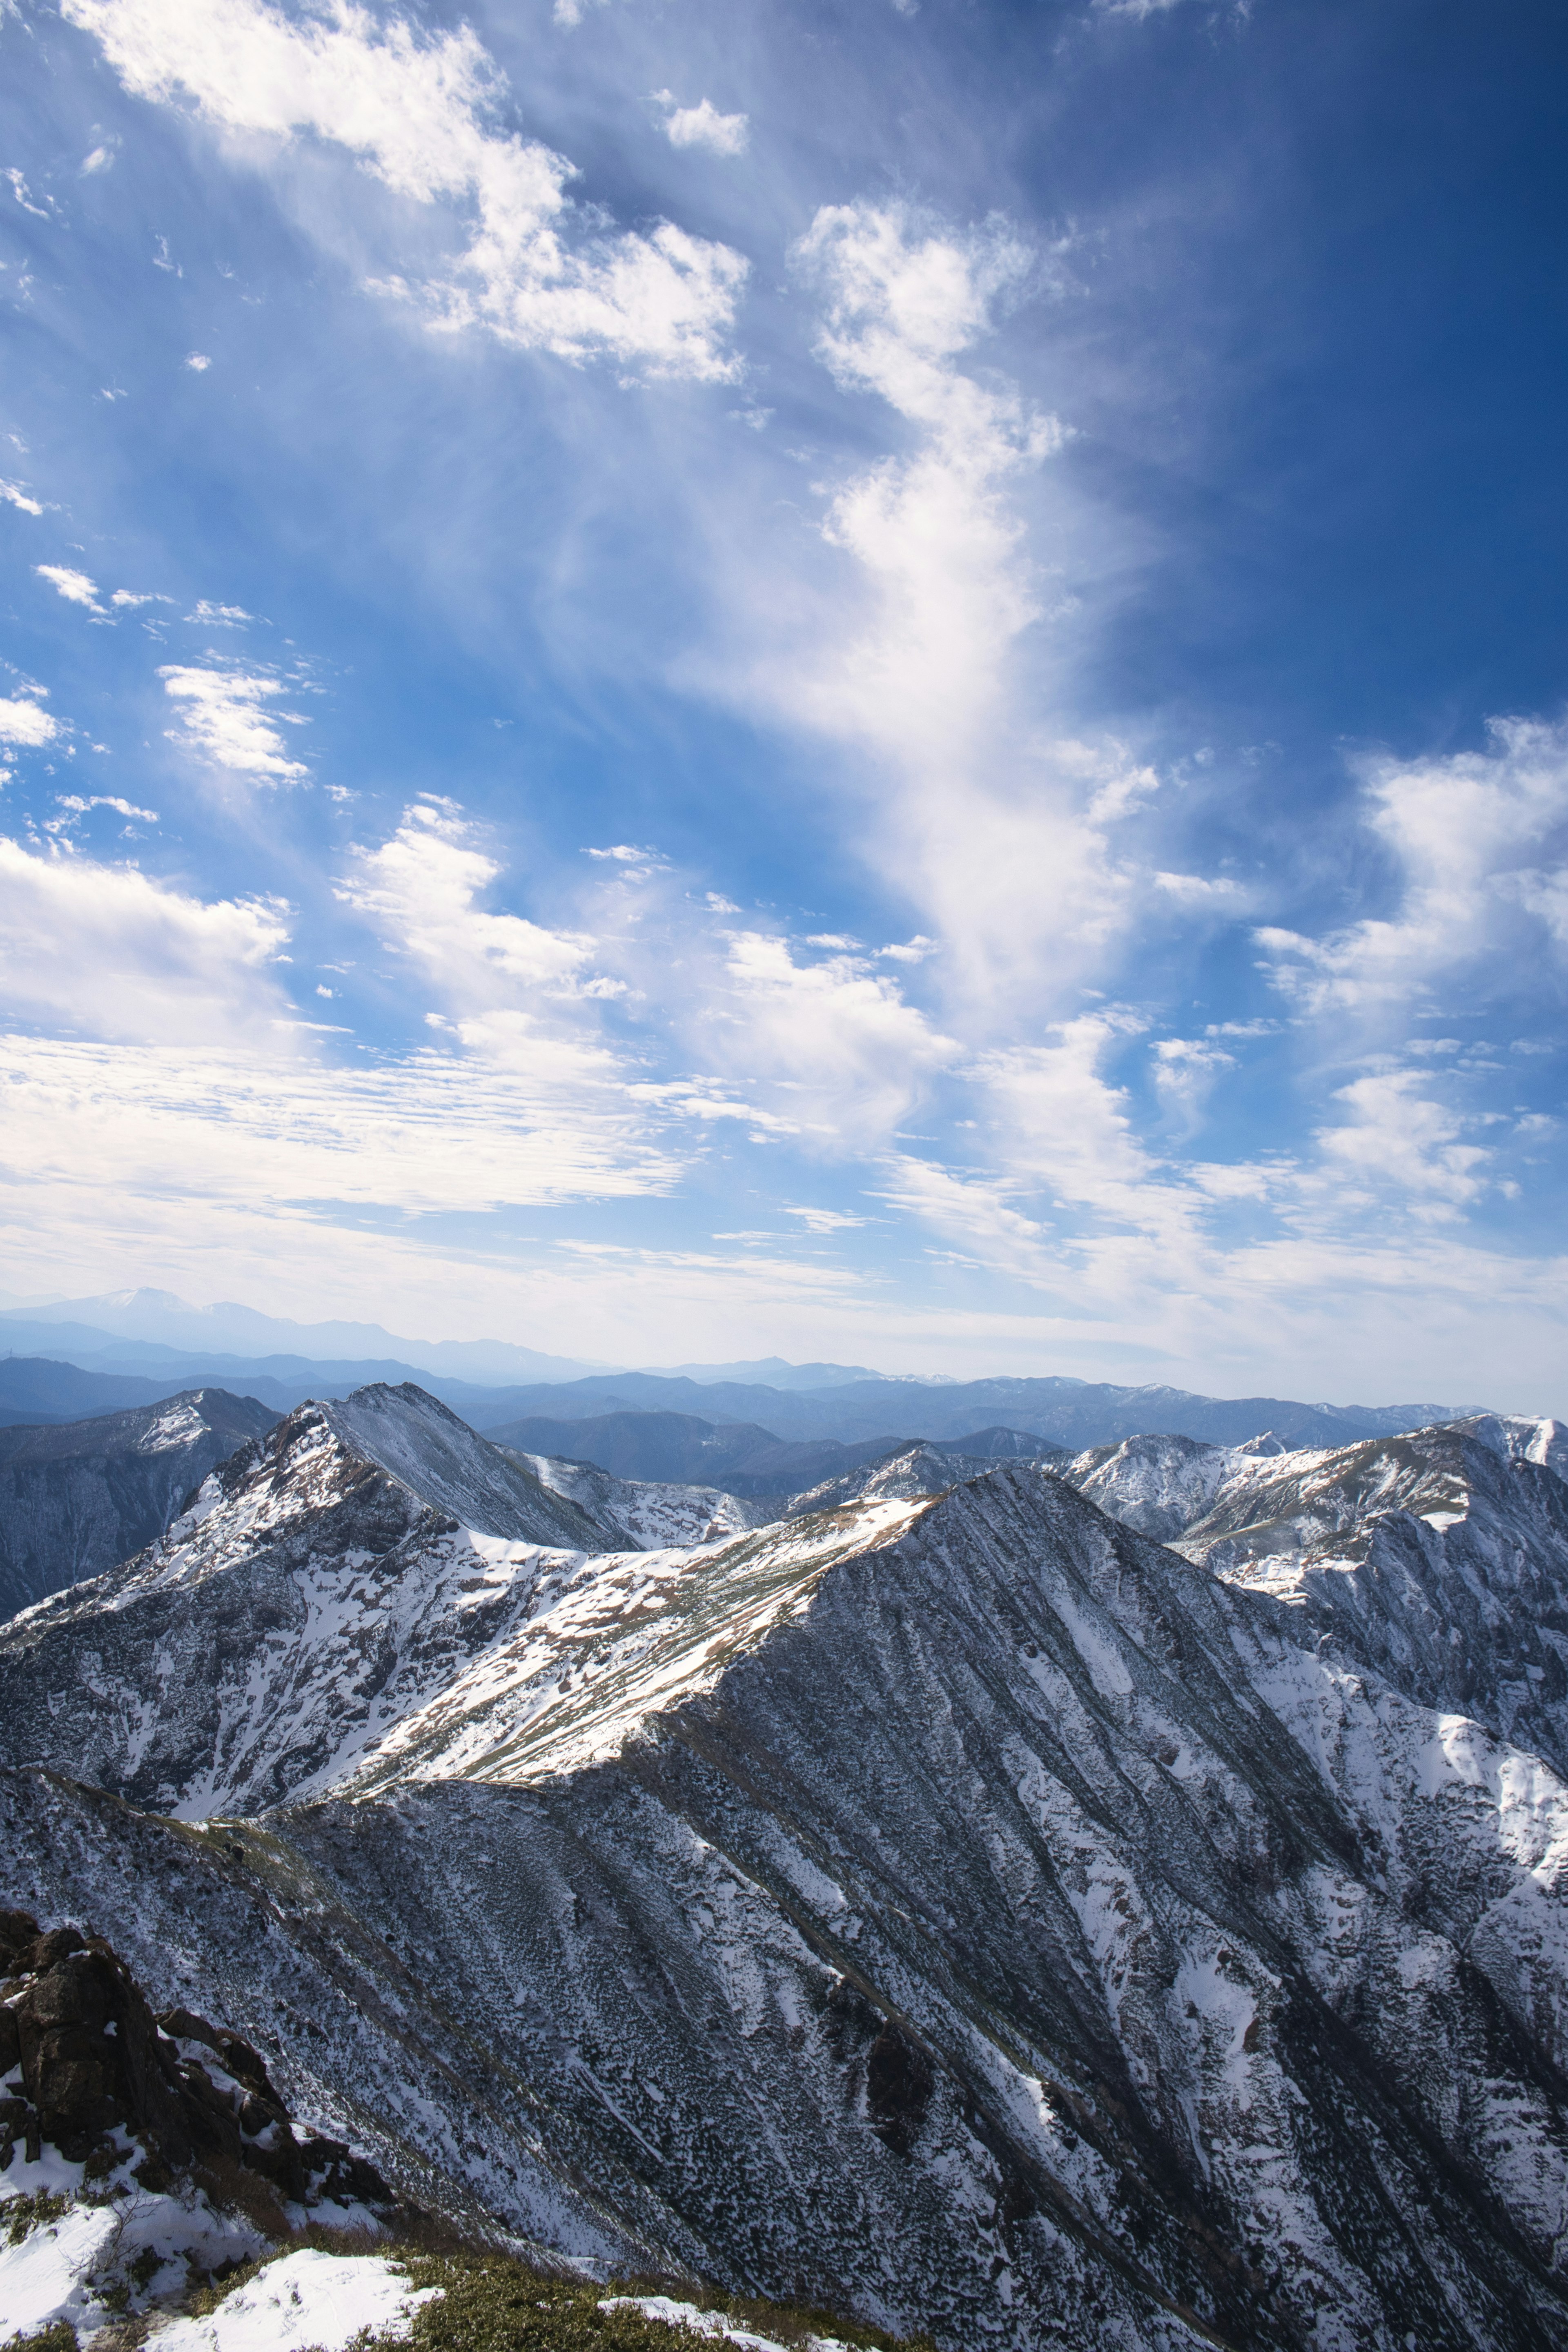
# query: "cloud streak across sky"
1032, 939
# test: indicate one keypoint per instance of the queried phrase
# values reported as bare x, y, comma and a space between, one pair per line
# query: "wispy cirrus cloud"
420, 112
74, 586
1479, 841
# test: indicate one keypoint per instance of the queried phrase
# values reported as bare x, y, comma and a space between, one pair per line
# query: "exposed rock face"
961, 1905
1439, 1558
306, 1602
87, 2059
646, 1514
909, 1470
77, 1499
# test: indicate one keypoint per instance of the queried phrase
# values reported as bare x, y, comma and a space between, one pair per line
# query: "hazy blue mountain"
128, 1319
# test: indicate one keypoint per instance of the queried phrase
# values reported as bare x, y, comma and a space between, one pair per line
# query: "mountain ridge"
960, 1872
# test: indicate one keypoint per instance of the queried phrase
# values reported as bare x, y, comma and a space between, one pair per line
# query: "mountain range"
947, 1902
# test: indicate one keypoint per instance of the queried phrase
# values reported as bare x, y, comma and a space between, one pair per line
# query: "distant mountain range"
153, 1332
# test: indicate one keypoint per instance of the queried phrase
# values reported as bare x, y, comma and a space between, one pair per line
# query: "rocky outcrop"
77, 1499
1439, 1558
84, 2063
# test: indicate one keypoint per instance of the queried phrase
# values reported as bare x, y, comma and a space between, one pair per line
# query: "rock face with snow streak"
308, 1601
76, 1499
644, 1514
957, 1906
1439, 1558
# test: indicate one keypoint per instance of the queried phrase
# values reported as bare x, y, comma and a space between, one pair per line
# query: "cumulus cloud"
15, 495
227, 716
419, 111
703, 126
26, 722
1396, 1135
1477, 839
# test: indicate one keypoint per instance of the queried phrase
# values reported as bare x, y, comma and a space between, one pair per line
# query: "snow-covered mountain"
952, 1903
1439, 1558
646, 1514
74, 1500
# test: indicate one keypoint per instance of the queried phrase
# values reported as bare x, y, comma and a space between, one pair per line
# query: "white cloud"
423, 888
198, 362
74, 586
24, 196
703, 126
227, 716
976, 1211
15, 494
108, 947
75, 805
225, 1134
218, 617
1478, 838
1396, 1135
1185, 1069
129, 599
417, 110
838, 1034
100, 159
25, 722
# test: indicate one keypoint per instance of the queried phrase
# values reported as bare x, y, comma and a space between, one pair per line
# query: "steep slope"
957, 1905
906, 1471
1439, 1558
75, 1499
644, 1514
420, 1441
308, 1600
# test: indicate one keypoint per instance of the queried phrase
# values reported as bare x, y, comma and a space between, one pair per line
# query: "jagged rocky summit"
951, 1904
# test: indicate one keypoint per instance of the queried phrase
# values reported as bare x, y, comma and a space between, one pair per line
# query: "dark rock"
19, 1930
47, 1949
10, 2044
93, 2057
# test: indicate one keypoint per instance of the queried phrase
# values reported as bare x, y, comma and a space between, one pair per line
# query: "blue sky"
879, 683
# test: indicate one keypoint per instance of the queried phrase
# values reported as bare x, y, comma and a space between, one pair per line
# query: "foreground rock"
85, 2065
